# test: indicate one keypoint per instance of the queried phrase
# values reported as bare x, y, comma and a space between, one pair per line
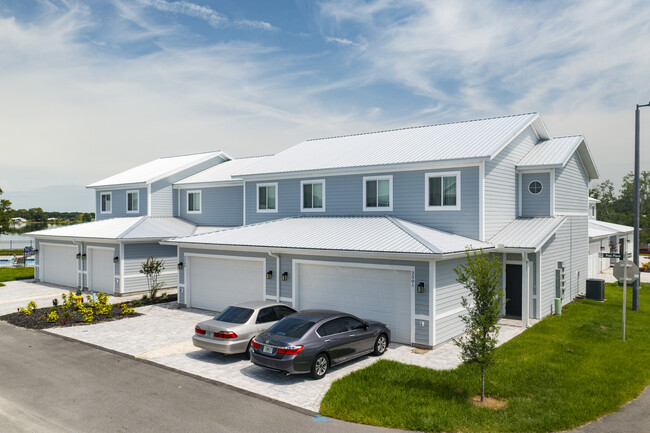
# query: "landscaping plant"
53, 316
126, 310
481, 275
31, 307
152, 268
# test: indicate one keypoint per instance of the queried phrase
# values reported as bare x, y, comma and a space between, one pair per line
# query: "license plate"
267, 349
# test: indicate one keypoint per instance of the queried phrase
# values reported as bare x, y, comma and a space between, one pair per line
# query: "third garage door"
215, 283
370, 293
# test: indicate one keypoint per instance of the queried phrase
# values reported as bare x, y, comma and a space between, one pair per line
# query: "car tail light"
293, 350
199, 330
225, 334
255, 344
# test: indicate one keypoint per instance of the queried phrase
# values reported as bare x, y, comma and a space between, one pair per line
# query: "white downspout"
277, 277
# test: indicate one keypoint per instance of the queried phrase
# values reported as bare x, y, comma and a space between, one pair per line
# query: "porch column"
525, 290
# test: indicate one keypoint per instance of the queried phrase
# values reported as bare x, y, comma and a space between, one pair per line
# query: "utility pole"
635, 287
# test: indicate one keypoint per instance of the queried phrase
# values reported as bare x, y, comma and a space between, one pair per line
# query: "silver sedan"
232, 331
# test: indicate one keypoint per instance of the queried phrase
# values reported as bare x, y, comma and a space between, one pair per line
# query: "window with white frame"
132, 202
312, 195
193, 201
442, 191
105, 202
267, 197
378, 193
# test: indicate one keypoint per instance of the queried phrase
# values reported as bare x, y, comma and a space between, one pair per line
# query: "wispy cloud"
340, 41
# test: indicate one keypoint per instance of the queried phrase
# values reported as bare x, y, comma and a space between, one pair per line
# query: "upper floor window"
378, 193
132, 202
442, 191
535, 187
194, 202
106, 206
312, 195
267, 194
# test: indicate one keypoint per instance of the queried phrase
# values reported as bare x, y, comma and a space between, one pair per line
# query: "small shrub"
164, 296
68, 300
126, 310
86, 314
53, 317
144, 298
90, 301
31, 307
136, 303
67, 315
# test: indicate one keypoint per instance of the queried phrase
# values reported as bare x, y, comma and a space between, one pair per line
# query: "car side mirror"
365, 325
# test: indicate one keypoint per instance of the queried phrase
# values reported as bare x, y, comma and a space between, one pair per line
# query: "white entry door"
213, 283
58, 264
101, 270
367, 292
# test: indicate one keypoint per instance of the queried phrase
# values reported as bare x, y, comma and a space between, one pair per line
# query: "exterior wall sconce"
602, 248
285, 276
116, 259
83, 256
180, 266
269, 275
421, 287
36, 251
78, 256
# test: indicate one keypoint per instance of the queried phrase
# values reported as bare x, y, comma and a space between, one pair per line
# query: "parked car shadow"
216, 358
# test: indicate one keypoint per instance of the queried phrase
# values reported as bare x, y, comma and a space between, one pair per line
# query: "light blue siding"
535, 204
501, 182
421, 332
136, 254
448, 296
569, 245
220, 206
118, 199
572, 187
344, 196
162, 200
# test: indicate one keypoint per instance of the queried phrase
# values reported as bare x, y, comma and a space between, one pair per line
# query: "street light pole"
635, 287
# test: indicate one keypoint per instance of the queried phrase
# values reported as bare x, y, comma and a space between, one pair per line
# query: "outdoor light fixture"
269, 275
83, 256
116, 259
602, 248
36, 251
78, 256
180, 266
285, 276
421, 287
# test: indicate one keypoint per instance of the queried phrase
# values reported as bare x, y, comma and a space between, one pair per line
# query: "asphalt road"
49, 384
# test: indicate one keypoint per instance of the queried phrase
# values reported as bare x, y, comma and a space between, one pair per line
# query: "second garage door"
58, 264
370, 293
215, 283
101, 269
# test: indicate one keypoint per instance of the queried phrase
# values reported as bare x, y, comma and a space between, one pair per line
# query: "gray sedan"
232, 330
312, 340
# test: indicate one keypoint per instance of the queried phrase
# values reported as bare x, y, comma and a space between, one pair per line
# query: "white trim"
432, 303
552, 198
178, 205
101, 202
421, 317
302, 193
132, 191
122, 276
213, 184
525, 290
244, 205
442, 175
481, 202
455, 311
214, 154
388, 208
577, 214
187, 197
187, 264
257, 197
539, 285
538, 192
138, 275
149, 200
521, 194
503, 283
296, 277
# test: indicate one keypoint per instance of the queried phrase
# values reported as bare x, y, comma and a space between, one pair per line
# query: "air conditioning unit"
596, 289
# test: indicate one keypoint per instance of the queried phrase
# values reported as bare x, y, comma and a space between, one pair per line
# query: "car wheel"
320, 366
381, 343
248, 349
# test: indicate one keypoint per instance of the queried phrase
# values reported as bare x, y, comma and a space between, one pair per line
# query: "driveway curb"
185, 373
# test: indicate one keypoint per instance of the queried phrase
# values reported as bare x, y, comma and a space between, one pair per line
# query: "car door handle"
353, 335
327, 341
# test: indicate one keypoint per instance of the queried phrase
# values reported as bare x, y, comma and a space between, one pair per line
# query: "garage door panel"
101, 270
215, 283
59, 265
370, 293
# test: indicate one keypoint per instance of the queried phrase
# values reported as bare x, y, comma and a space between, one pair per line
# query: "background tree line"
619, 208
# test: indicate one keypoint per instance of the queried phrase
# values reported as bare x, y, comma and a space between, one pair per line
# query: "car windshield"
291, 327
235, 315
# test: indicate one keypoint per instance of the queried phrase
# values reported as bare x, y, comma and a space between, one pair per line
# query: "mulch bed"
38, 319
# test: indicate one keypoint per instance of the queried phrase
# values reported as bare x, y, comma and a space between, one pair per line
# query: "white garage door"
101, 270
215, 283
369, 293
58, 264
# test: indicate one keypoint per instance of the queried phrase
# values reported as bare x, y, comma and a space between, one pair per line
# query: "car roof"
257, 304
318, 315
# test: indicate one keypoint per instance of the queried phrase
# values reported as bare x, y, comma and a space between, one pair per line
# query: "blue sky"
93, 88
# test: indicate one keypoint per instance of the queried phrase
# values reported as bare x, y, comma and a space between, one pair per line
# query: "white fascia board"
387, 168
538, 168
219, 154
208, 184
591, 169
515, 135
118, 186
540, 128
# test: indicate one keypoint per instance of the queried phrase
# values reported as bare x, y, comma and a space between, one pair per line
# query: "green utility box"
558, 306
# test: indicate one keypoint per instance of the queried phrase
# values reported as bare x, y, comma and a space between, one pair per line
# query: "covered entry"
513, 290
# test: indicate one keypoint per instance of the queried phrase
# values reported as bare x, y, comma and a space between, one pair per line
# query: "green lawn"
563, 372
11, 274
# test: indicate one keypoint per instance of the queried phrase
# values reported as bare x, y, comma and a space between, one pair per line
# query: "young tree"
481, 275
152, 268
5, 210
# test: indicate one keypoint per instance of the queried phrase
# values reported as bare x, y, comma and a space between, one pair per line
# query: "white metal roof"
529, 233
556, 152
470, 140
602, 229
130, 228
157, 169
221, 173
356, 234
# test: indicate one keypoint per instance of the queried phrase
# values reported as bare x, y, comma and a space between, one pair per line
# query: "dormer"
592, 208
146, 190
